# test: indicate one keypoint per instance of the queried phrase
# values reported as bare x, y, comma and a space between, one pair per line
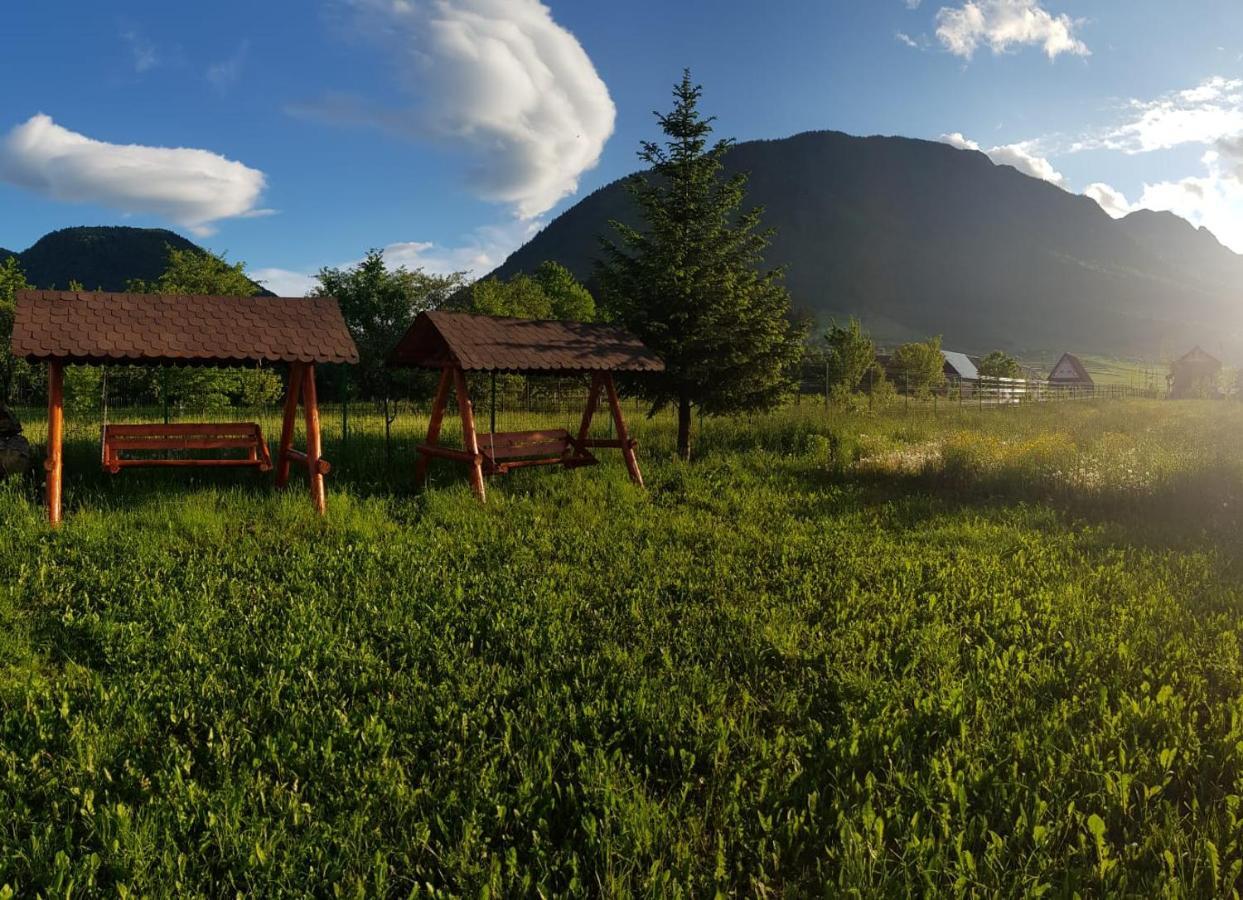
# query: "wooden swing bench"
183, 438
457, 343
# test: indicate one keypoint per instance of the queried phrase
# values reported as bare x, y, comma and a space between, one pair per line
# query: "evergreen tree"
690, 281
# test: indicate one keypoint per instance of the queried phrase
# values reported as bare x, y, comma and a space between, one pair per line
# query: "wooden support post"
314, 448
292, 394
54, 464
589, 411
470, 439
632, 461
433, 425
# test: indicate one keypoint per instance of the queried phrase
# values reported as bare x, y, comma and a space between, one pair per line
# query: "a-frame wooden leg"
433, 425
54, 464
292, 394
314, 447
627, 445
470, 440
589, 412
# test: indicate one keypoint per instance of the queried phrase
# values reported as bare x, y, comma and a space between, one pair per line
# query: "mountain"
101, 258
919, 238
5, 254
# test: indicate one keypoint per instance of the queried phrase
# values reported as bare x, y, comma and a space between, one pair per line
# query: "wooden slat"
547, 450
445, 453
179, 429
518, 438
325, 468
186, 464
179, 443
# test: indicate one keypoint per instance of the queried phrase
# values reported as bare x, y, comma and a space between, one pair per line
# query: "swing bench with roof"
78, 328
457, 343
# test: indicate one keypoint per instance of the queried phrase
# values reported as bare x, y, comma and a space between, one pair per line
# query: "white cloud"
1021, 156
903, 38
142, 52
1213, 200
285, 282
191, 188
226, 73
959, 140
1209, 112
1110, 199
1003, 24
499, 80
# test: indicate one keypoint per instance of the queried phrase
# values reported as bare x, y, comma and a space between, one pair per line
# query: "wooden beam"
292, 394
314, 448
433, 426
469, 437
632, 461
589, 411
54, 464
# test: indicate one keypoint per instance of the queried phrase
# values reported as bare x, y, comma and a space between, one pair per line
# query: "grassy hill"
919, 238
101, 258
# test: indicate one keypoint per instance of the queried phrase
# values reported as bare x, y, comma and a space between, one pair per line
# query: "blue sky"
295, 135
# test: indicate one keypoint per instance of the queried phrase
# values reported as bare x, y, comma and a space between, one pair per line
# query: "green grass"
977, 652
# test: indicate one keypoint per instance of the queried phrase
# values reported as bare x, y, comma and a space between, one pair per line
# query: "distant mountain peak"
920, 238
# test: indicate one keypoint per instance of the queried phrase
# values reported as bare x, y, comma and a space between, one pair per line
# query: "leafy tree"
194, 271
999, 364
851, 354
198, 272
521, 296
568, 298
920, 366
12, 370
690, 282
379, 304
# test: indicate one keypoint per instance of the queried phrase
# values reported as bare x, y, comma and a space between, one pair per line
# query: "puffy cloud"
498, 79
285, 282
1213, 200
1021, 156
1207, 113
191, 188
1110, 199
1002, 24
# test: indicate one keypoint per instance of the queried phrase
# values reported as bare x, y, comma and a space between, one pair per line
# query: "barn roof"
1197, 354
1081, 375
166, 329
496, 344
961, 364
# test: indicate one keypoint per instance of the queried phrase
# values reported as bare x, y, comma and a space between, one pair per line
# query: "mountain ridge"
921, 238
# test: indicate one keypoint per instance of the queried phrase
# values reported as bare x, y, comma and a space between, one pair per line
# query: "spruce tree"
691, 281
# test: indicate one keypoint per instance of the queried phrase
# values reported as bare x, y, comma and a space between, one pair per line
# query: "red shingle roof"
73, 326
495, 344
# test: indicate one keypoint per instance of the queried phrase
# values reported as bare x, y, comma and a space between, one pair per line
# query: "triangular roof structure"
1197, 355
961, 364
474, 343
1069, 370
165, 329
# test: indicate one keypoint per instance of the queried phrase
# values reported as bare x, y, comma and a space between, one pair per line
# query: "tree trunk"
684, 428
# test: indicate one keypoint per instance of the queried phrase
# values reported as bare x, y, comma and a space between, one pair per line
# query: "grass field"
977, 652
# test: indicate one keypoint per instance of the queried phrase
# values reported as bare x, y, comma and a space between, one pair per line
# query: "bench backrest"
550, 444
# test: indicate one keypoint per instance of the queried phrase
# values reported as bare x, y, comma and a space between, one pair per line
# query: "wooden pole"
310, 404
589, 411
292, 393
632, 462
433, 425
469, 438
54, 464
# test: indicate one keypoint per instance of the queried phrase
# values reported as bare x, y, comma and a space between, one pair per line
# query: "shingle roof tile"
497, 344
69, 326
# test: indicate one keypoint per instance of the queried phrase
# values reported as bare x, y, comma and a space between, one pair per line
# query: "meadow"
848, 652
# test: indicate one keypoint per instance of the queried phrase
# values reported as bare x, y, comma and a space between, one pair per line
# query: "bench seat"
188, 440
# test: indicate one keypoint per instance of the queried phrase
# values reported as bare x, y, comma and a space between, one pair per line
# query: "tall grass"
893, 653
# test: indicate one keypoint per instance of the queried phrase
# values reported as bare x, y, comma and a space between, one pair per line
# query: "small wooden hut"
459, 343
1195, 375
63, 328
1070, 373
